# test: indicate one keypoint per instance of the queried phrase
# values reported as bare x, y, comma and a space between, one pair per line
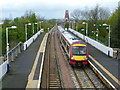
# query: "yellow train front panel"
79, 58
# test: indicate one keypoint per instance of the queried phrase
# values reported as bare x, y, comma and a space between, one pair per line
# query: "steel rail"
89, 78
54, 80
78, 80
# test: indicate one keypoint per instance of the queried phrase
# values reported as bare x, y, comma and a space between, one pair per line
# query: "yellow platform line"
105, 70
41, 67
31, 75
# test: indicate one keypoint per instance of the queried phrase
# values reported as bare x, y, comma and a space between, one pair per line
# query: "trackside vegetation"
95, 18
18, 35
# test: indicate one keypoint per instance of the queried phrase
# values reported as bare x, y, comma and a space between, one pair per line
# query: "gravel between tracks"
98, 83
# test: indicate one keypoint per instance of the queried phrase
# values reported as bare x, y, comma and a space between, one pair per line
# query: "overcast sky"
50, 8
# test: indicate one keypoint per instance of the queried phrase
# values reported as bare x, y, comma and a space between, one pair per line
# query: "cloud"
50, 8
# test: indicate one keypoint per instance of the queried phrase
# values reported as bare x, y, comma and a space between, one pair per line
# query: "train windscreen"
78, 50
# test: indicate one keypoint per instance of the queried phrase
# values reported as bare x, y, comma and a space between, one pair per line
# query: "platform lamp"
97, 30
7, 44
37, 26
41, 24
82, 31
86, 27
108, 27
33, 27
26, 30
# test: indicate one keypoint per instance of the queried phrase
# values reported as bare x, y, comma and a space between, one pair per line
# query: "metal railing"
116, 53
1, 60
12, 54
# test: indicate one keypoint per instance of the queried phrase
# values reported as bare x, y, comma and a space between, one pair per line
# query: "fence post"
19, 49
12, 57
15, 52
118, 55
9, 57
1, 59
109, 53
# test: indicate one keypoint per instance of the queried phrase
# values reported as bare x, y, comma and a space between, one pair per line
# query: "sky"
50, 9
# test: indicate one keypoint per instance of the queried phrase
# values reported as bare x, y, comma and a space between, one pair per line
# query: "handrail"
13, 53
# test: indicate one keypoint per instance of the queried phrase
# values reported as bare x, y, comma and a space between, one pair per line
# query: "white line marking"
41, 67
105, 70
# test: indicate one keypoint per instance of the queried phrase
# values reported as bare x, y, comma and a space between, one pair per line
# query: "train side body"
76, 50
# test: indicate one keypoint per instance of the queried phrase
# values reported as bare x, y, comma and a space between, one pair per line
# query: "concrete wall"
3, 69
107, 50
31, 40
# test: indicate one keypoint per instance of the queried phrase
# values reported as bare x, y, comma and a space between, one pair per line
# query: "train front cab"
78, 54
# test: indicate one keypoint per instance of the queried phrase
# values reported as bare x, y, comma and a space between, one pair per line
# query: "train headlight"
85, 58
72, 58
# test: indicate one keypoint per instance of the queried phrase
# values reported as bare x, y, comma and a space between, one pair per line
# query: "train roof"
68, 36
78, 43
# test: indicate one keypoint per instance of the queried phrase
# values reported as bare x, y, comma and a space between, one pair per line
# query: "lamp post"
69, 24
83, 35
37, 26
97, 34
40, 24
108, 27
26, 30
7, 43
86, 28
109, 37
33, 28
96, 31
48, 29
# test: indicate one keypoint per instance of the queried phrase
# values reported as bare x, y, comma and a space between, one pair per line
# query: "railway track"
86, 78
53, 73
81, 77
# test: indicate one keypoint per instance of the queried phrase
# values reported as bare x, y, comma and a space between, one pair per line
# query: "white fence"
3, 66
12, 54
31, 40
3, 69
107, 50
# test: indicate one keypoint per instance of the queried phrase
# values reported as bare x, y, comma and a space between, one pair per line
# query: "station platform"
20, 69
108, 66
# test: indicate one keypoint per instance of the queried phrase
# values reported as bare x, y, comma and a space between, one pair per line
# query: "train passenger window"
78, 50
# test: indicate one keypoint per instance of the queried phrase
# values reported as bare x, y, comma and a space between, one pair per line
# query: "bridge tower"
66, 15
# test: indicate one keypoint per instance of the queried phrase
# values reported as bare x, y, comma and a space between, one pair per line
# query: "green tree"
18, 35
115, 30
66, 25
